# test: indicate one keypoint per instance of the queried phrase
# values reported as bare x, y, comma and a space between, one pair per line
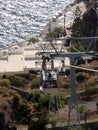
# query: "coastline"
44, 28
25, 54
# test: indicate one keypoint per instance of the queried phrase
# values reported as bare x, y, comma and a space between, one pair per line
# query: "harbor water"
22, 19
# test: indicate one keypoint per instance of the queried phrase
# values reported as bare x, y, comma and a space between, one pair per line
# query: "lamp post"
64, 33
49, 27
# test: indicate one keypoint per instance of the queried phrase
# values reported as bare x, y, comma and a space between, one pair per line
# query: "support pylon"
73, 115
53, 104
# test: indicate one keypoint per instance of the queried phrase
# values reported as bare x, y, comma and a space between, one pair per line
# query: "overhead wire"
83, 68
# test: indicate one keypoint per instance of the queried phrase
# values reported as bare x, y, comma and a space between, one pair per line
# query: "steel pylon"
73, 114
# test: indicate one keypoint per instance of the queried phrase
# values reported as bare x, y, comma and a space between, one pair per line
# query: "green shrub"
35, 83
65, 84
32, 76
34, 97
82, 109
62, 100
81, 76
39, 124
90, 87
17, 80
4, 82
22, 114
90, 84
44, 101
32, 40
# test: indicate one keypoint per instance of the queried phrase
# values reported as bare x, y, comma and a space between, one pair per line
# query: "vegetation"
35, 83
17, 80
55, 33
66, 83
82, 76
75, 128
22, 114
32, 76
76, 26
39, 124
62, 100
33, 40
34, 97
90, 87
35, 115
4, 82
83, 109
84, 26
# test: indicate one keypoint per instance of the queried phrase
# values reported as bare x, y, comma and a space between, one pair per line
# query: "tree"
51, 35
83, 110
76, 27
58, 31
33, 40
55, 33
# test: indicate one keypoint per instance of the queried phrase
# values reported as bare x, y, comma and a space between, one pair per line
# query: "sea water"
22, 19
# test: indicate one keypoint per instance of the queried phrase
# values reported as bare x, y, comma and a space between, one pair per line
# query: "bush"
35, 83
39, 101
22, 114
4, 82
39, 124
32, 76
90, 87
62, 100
34, 97
65, 84
17, 80
83, 109
90, 84
81, 76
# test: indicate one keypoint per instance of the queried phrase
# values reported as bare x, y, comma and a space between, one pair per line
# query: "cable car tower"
49, 80
73, 114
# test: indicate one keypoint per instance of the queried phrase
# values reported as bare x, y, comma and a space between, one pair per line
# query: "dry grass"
92, 117
6, 97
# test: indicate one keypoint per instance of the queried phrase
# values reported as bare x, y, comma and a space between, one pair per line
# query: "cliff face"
90, 22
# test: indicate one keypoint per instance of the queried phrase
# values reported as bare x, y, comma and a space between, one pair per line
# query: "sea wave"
22, 19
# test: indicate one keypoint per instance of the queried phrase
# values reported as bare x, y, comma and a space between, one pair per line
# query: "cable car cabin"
49, 79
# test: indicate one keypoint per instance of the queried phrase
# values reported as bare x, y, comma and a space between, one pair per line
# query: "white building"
18, 59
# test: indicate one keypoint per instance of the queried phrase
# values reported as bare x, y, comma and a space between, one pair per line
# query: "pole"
64, 26
73, 115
